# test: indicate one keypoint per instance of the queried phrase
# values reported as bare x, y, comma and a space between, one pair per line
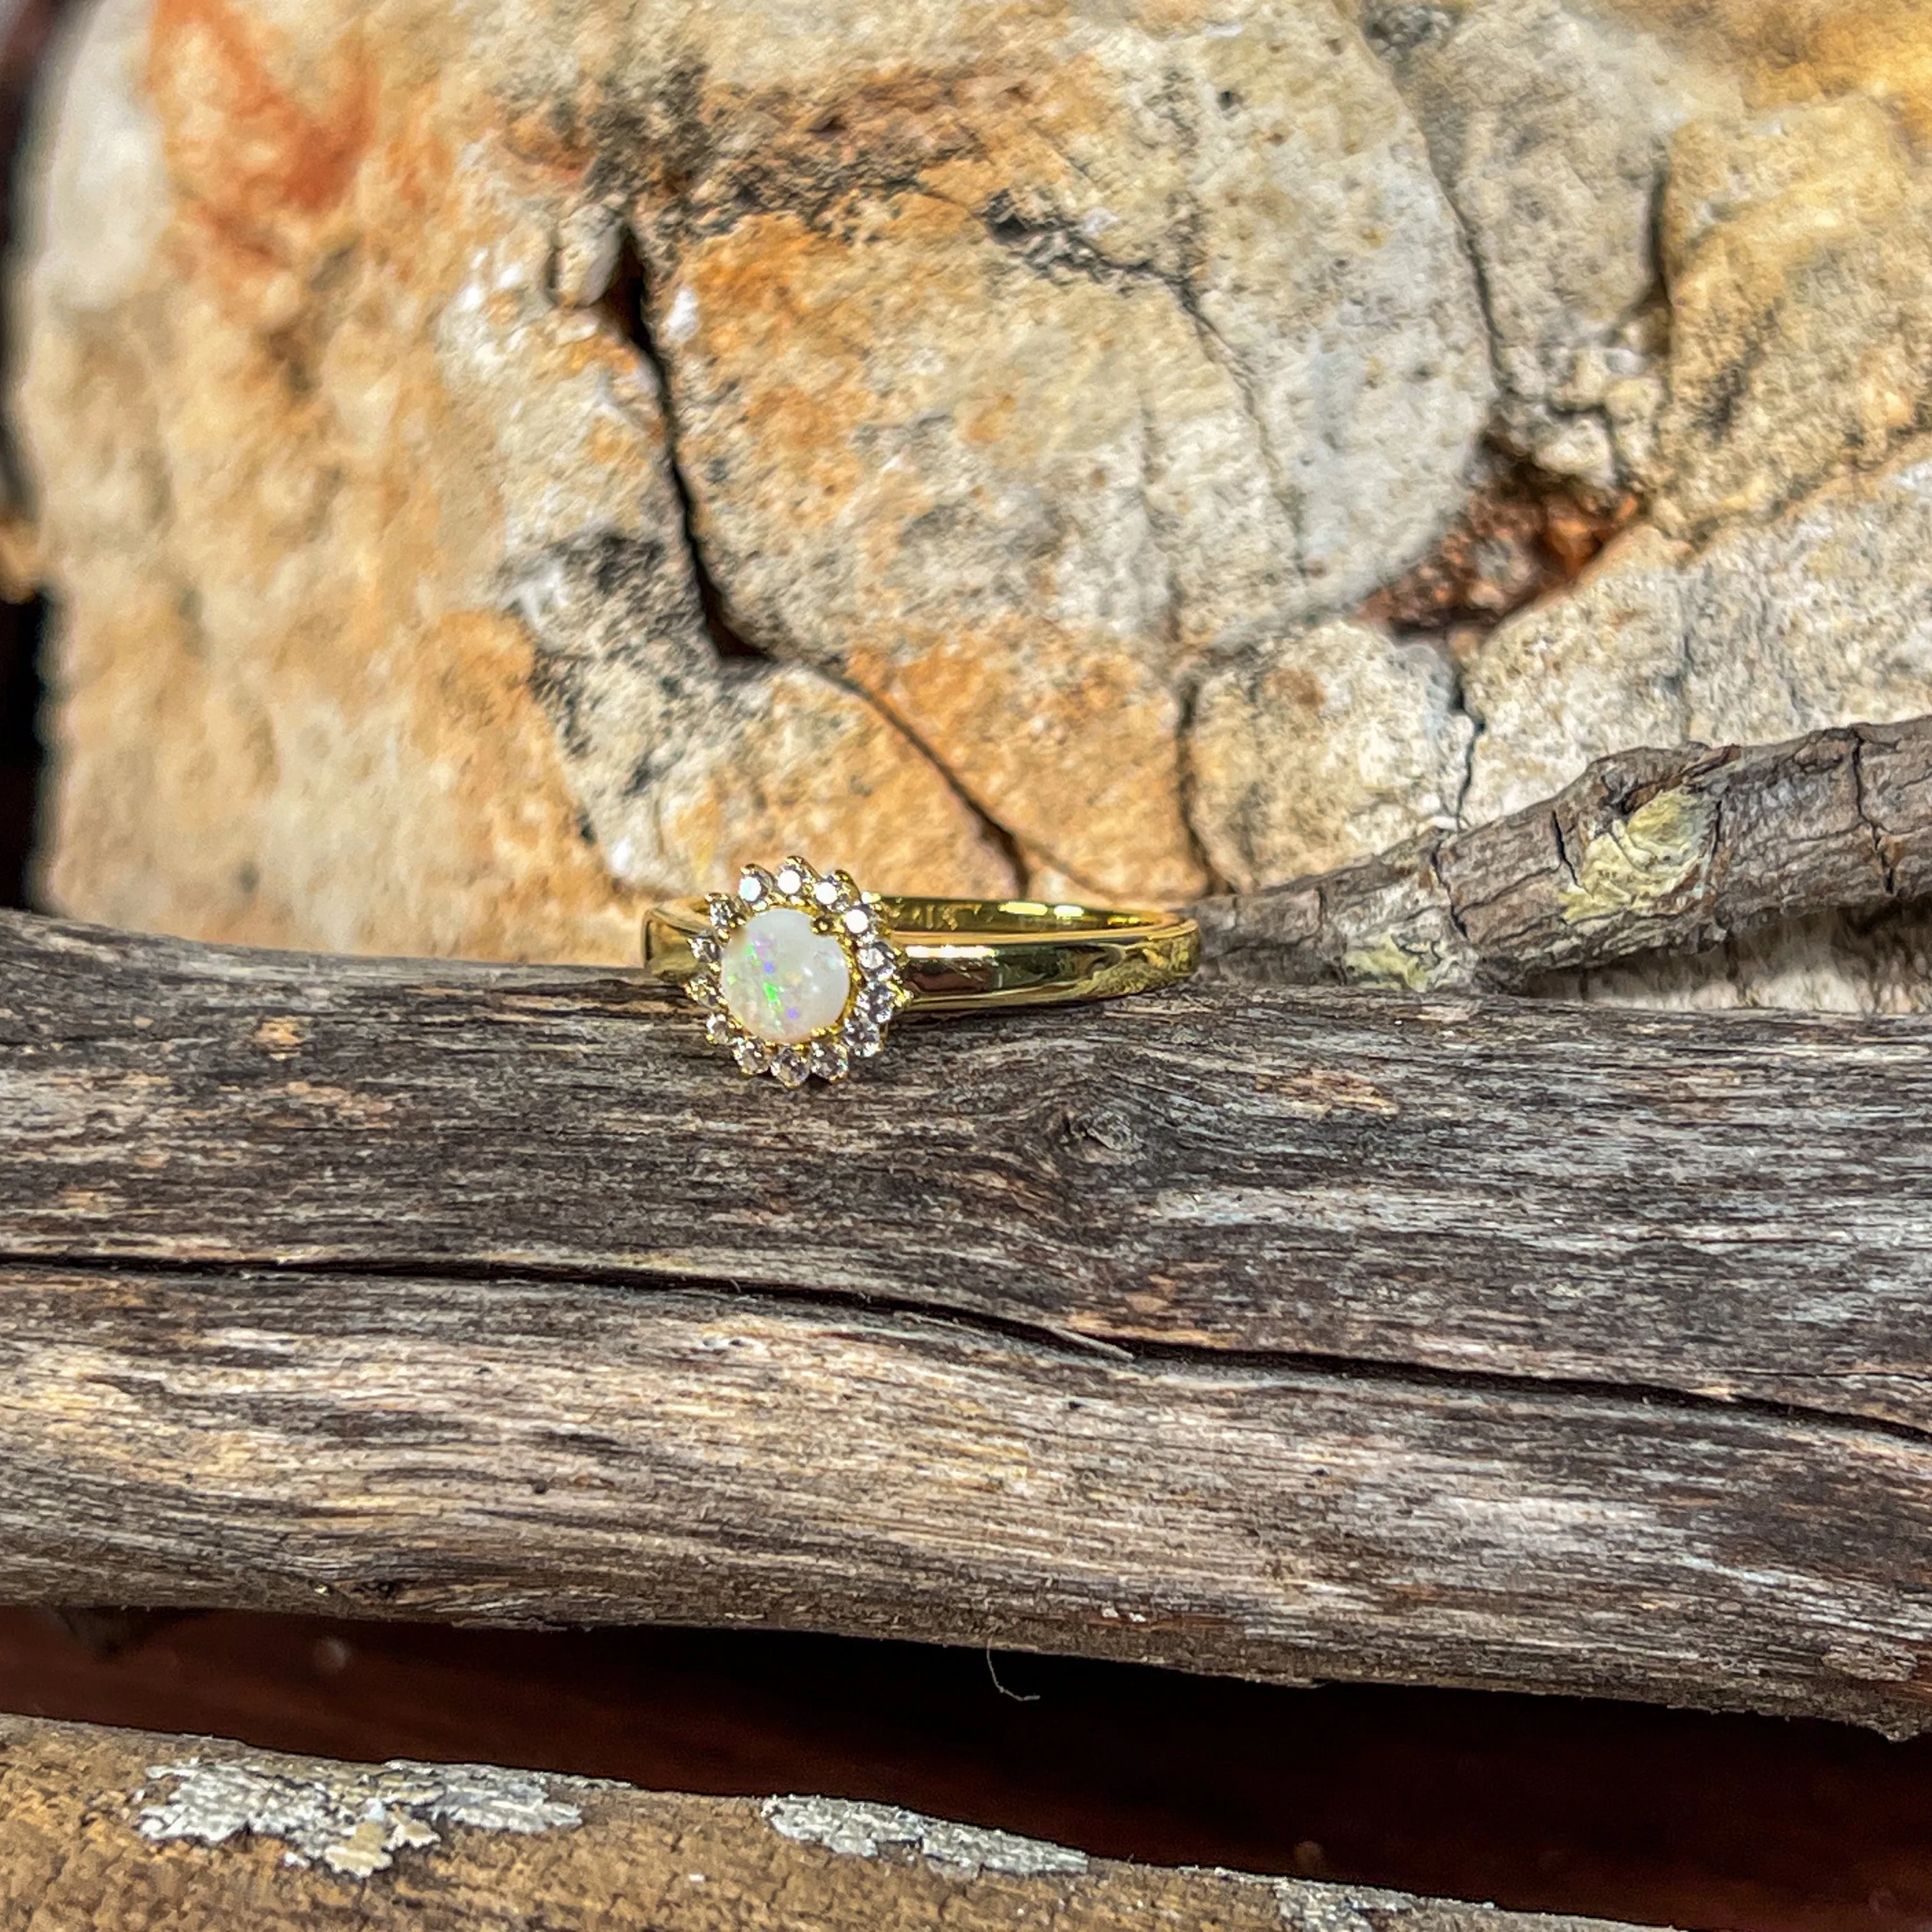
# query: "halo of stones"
836, 907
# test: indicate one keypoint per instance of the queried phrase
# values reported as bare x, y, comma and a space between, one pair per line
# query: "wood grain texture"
1648, 851
554, 1450
1723, 1206
1289, 1334
74, 1855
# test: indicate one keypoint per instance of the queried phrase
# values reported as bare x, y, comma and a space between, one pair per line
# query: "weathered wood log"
1288, 1334
105, 1831
1648, 850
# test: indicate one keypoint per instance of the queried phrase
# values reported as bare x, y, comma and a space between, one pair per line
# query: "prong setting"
785, 1035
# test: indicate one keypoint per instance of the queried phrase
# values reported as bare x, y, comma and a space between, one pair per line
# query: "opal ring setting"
801, 973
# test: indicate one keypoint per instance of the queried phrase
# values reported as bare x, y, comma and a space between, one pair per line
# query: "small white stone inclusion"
781, 980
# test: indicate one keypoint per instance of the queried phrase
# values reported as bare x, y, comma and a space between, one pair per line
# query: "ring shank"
962, 955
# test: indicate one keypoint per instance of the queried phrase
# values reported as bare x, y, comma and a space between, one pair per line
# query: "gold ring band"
801, 972
964, 954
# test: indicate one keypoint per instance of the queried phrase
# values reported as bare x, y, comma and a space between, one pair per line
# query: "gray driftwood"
1287, 1333
120, 1832
1648, 851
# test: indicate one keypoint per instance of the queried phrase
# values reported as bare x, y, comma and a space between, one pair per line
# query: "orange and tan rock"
1285, 781
1019, 354
1818, 617
1782, 51
993, 401
1798, 245
350, 514
497, 463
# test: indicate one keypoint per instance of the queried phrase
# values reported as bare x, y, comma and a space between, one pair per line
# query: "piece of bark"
1648, 850
525, 1452
1288, 1334
1725, 1206
104, 1831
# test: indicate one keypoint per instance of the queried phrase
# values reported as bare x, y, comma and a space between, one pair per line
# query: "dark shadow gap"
1523, 536
27, 30
21, 757
625, 304
1566, 1805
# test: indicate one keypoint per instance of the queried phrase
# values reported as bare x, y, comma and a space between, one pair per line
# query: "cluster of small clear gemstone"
836, 909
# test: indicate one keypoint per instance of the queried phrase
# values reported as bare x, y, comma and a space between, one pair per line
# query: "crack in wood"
1286, 1333
1246, 1366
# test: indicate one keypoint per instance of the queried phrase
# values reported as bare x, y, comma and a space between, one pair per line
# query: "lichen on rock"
352, 1818
855, 1828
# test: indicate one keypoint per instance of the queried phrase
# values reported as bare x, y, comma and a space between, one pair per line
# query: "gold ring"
801, 973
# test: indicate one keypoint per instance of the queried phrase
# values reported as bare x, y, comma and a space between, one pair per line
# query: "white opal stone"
781, 980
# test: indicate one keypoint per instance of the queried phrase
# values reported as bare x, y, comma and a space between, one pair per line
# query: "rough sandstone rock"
1281, 783
1019, 355
1797, 245
293, 430
1803, 49
1549, 125
422, 402
1820, 616
995, 401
